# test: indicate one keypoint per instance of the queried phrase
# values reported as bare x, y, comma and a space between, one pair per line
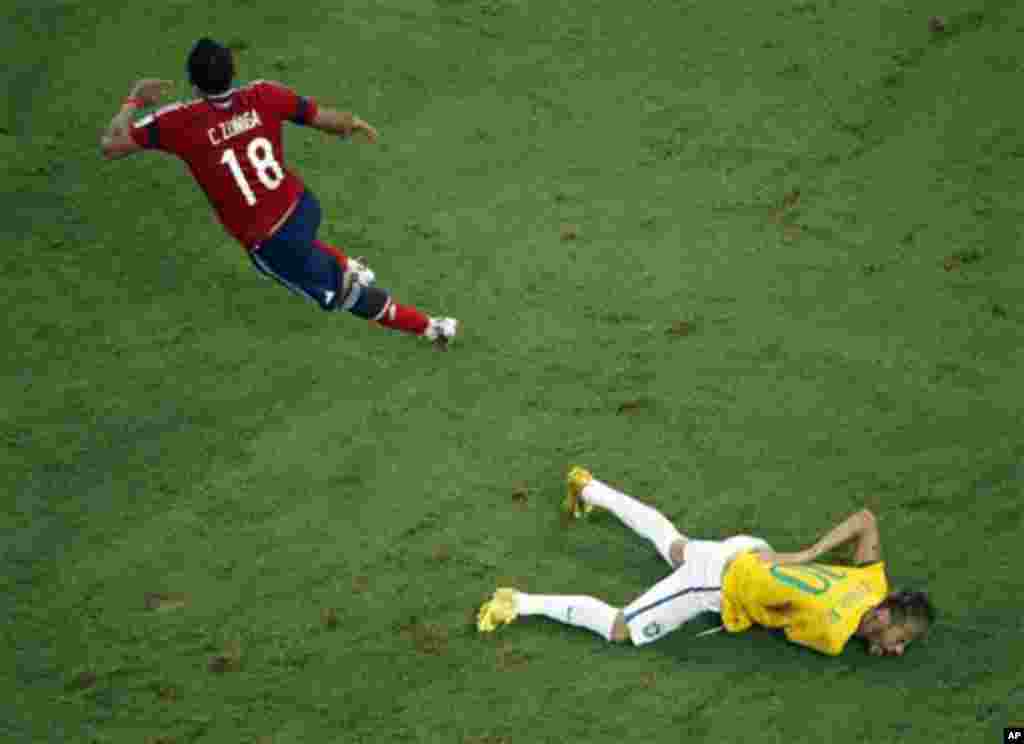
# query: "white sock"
642, 519
581, 611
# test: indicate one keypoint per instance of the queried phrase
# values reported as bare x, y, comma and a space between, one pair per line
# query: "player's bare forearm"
119, 124
787, 559
343, 123
116, 141
860, 527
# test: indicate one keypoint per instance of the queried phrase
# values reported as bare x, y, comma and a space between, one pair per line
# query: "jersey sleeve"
145, 132
876, 577
158, 130
285, 103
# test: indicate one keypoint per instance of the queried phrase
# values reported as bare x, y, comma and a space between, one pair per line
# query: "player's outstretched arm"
117, 141
342, 123
862, 527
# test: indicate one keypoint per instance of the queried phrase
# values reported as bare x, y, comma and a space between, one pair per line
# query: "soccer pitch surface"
794, 290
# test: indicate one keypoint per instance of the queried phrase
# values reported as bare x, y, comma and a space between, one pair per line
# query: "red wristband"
134, 102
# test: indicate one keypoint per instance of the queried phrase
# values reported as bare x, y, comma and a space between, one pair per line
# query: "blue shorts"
294, 257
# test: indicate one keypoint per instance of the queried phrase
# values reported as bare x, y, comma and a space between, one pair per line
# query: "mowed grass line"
745, 359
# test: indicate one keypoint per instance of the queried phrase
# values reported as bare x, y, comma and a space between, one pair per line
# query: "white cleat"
441, 331
363, 274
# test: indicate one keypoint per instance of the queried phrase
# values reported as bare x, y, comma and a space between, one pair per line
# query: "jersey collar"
223, 100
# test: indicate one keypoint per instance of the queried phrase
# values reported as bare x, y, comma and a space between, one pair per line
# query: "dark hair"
210, 66
911, 608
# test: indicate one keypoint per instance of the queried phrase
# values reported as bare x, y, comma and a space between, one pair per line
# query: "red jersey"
235, 153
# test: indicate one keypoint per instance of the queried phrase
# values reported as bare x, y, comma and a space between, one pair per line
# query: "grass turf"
792, 291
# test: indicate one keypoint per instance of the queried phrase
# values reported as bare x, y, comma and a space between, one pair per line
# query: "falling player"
819, 606
230, 139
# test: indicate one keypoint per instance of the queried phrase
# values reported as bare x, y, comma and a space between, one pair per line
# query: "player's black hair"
211, 67
912, 608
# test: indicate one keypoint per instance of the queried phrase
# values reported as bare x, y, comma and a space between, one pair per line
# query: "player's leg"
356, 266
646, 521
281, 267
369, 302
579, 610
678, 598
322, 272
290, 258
691, 590
375, 304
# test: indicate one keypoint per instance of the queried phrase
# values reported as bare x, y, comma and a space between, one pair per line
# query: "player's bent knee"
677, 552
620, 631
371, 303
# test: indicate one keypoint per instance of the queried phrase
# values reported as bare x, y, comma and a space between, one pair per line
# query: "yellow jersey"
818, 606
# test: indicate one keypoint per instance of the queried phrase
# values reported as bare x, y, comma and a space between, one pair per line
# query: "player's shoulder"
263, 84
873, 565
875, 574
269, 91
174, 110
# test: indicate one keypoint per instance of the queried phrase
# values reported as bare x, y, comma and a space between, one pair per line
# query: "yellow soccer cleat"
500, 609
574, 505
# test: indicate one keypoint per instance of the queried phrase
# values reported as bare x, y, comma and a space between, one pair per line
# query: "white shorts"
693, 588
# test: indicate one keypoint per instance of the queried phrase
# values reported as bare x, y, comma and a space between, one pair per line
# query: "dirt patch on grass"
83, 680
961, 258
780, 215
427, 638
790, 200
520, 495
633, 407
510, 658
681, 328
164, 601
228, 661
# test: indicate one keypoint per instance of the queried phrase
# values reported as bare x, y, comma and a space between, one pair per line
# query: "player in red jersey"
230, 139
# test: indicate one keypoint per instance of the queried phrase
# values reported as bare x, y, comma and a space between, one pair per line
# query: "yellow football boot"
577, 480
501, 609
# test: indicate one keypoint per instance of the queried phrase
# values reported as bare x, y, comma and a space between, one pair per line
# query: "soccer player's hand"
151, 90
362, 126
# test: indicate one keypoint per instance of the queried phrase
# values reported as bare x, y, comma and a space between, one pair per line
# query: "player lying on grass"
230, 138
819, 606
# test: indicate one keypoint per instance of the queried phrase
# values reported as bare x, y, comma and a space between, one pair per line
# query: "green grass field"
795, 290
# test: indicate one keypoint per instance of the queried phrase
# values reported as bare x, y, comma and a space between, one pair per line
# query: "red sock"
338, 254
403, 318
